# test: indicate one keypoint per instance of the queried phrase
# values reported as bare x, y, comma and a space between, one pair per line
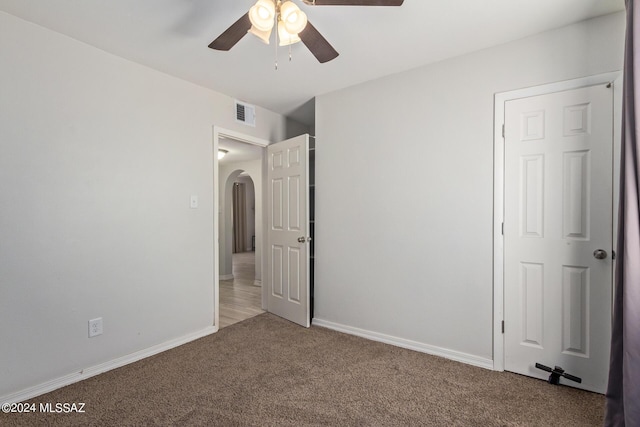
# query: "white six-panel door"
558, 211
287, 232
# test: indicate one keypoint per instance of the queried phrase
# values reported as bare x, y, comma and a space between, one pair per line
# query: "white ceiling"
172, 36
239, 151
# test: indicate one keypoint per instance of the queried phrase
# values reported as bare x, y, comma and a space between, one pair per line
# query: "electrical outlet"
95, 327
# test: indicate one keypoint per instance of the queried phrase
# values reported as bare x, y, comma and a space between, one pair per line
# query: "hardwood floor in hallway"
240, 298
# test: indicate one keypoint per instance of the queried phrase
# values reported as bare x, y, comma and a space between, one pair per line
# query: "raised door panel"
295, 281
295, 220
532, 210
575, 195
532, 304
277, 278
277, 206
575, 311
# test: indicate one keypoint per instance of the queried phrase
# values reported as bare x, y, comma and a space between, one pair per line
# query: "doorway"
238, 276
554, 199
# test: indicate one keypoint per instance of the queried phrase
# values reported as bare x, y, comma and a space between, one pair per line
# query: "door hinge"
503, 326
503, 228
613, 254
503, 130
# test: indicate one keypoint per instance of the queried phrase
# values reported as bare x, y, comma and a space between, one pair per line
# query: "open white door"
558, 234
288, 229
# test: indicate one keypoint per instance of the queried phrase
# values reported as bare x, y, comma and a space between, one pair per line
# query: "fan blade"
354, 2
317, 44
233, 34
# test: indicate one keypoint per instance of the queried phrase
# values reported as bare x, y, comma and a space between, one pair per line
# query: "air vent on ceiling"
246, 113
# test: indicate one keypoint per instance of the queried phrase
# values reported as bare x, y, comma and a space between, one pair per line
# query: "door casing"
615, 78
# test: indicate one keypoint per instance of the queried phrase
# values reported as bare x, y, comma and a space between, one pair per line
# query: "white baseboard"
92, 371
226, 277
458, 356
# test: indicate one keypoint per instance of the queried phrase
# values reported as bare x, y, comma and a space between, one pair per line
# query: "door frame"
219, 132
615, 78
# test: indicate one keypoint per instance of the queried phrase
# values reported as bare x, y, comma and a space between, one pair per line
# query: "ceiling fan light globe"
261, 15
298, 25
286, 38
287, 8
264, 36
294, 19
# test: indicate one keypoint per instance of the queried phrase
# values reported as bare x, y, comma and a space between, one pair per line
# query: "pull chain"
276, 56
275, 37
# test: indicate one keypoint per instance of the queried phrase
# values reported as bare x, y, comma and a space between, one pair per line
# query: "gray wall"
404, 199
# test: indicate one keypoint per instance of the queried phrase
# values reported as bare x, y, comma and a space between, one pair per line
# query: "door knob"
302, 240
599, 254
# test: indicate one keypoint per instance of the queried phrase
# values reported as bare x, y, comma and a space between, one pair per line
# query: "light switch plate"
194, 202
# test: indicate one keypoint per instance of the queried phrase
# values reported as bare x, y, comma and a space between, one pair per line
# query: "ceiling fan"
291, 23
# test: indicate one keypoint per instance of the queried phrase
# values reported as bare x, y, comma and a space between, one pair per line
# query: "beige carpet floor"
265, 371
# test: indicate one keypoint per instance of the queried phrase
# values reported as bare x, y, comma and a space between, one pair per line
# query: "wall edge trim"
454, 355
83, 374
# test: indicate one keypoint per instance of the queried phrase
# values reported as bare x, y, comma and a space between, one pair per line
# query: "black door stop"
556, 373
